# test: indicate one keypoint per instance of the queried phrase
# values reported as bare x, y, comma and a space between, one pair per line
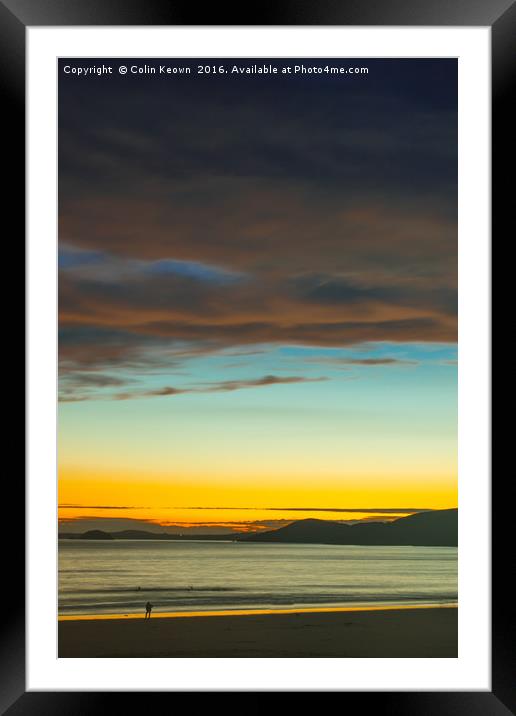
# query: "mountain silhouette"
144, 535
437, 528
95, 534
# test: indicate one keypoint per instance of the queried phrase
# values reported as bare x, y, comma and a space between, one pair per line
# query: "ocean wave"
207, 579
257, 601
145, 590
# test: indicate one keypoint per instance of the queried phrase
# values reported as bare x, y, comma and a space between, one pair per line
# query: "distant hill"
433, 528
144, 535
139, 534
436, 528
95, 534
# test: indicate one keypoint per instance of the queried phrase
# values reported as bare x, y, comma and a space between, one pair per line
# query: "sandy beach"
419, 632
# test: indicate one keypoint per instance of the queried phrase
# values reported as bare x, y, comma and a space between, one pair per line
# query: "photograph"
258, 354
257, 435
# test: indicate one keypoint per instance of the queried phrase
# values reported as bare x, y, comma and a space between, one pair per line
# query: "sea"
119, 577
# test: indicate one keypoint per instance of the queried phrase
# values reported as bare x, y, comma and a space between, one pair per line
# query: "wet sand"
421, 632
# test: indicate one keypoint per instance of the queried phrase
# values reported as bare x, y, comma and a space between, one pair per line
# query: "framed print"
258, 251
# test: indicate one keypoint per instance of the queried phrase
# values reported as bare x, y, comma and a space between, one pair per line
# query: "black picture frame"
500, 16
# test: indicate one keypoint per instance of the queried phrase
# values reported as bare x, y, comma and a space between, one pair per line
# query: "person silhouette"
148, 610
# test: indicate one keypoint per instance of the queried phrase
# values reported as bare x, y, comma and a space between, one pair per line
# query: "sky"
257, 295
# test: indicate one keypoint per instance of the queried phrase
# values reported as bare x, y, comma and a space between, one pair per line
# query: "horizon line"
386, 510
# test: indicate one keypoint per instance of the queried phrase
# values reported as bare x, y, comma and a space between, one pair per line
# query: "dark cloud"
98, 380
229, 385
204, 215
224, 386
178, 132
141, 302
380, 510
99, 507
166, 390
74, 383
340, 361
